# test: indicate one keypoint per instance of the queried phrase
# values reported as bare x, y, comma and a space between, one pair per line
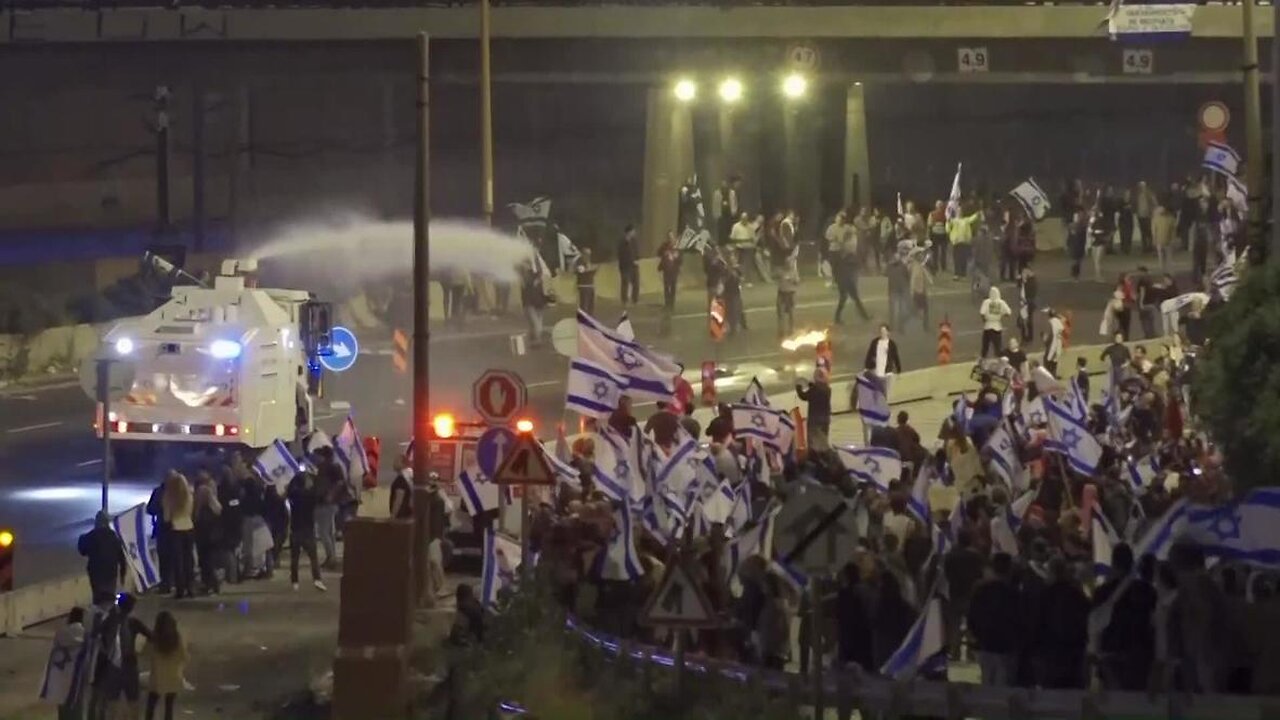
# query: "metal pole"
104, 397
486, 114
197, 167
815, 645
1274, 254
526, 561
421, 326
1252, 125
162, 158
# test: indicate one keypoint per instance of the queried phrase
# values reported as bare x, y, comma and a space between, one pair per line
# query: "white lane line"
543, 383
87, 463
29, 428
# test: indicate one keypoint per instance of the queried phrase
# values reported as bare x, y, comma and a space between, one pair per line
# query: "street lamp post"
422, 330
1252, 124
486, 112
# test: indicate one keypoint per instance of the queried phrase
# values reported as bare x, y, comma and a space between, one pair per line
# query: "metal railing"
94, 5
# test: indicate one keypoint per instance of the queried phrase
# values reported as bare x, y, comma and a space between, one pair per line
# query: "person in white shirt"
882, 354
993, 310
832, 238
1053, 341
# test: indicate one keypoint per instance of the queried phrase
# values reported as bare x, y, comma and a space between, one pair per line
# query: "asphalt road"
50, 462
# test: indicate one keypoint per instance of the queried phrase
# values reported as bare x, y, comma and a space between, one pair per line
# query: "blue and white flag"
1224, 278
277, 465
70, 664
1238, 194
592, 390
961, 414
565, 471
873, 400
752, 421
1221, 158
500, 562
1015, 511
1141, 472
782, 443
748, 543
317, 439
679, 468
1105, 539
1004, 458
876, 465
612, 467
918, 501
1159, 537
133, 528
717, 503
1034, 413
1033, 200
795, 578
618, 560
649, 375
953, 200
755, 394
349, 447
923, 651
478, 495
740, 511
1247, 530
1077, 400
1069, 436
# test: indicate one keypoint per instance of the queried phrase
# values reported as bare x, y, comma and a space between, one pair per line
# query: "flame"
812, 337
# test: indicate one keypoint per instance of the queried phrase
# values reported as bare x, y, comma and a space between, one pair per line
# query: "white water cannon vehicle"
227, 365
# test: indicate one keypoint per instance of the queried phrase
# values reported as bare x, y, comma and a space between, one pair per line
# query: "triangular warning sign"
525, 465
679, 602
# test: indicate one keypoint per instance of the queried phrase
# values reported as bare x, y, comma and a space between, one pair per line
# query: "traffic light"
372, 452
443, 425
7, 543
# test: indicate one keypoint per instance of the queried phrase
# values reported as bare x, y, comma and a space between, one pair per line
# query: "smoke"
356, 249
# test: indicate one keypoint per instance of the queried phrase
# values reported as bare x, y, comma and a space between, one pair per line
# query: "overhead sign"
1138, 61
679, 601
492, 449
1130, 22
343, 350
120, 376
525, 465
498, 395
803, 57
973, 60
815, 530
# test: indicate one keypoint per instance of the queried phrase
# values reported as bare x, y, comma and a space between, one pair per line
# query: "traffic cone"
1066, 330
944, 342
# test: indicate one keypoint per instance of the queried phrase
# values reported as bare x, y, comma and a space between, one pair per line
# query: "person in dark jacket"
117, 675
330, 479
231, 496
893, 619
628, 267
994, 623
401, 502
818, 422
1064, 620
302, 527
853, 622
162, 533
106, 563
1128, 641
963, 568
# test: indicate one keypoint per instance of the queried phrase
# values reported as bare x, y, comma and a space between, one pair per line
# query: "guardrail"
378, 4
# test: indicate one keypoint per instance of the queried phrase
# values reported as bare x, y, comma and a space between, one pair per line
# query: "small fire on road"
805, 339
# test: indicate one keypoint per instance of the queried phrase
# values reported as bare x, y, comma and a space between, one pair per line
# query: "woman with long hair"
178, 504
167, 655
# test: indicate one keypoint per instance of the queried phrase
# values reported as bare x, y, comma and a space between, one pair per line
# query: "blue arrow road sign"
492, 447
344, 352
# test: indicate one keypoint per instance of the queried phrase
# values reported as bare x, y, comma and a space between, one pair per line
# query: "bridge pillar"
857, 161
668, 160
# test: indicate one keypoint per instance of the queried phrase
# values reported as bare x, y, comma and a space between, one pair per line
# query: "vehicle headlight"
224, 349
124, 346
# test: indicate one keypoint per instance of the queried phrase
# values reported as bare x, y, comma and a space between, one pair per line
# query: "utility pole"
198, 110
422, 333
161, 103
1252, 126
486, 114
1274, 248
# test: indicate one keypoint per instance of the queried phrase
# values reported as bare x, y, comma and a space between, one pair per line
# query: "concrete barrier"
26, 606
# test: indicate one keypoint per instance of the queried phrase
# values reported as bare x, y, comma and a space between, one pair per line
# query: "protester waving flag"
501, 560
619, 560
133, 527
923, 651
872, 399
1077, 400
592, 390
953, 200
277, 465
782, 443
753, 421
1069, 436
876, 465
1004, 458
349, 447
1033, 200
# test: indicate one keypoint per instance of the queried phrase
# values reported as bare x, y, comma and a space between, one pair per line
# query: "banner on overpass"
1151, 22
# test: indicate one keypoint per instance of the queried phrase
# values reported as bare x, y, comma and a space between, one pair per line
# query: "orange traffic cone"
944, 342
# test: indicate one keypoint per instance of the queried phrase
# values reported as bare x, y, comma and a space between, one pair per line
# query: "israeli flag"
740, 511
312, 443
1221, 158
1105, 539
277, 465
961, 414
1238, 194
349, 447
1077, 400
478, 495
1141, 472
783, 441
1247, 530
873, 400
1015, 511
66, 672
751, 421
535, 212
1069, 436
717, 503
1003, 538
1004, 458
133, 528
1034, 413
618, 560
678, 470
694, 240
876, 465
953, 200
1033, 200
592, 390
795, 578
1159, 537
748, 543
923, 651
1224, 278
501, 562
564, 470
918, 502
649, 375
612, 468
755, 394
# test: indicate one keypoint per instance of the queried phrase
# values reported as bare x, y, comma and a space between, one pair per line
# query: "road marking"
87, 463
542, 383
820, 304
29, 428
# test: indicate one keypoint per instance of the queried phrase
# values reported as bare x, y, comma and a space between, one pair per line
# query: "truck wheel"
133, 459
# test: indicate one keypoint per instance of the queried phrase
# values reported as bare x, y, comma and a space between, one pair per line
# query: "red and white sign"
498, 396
